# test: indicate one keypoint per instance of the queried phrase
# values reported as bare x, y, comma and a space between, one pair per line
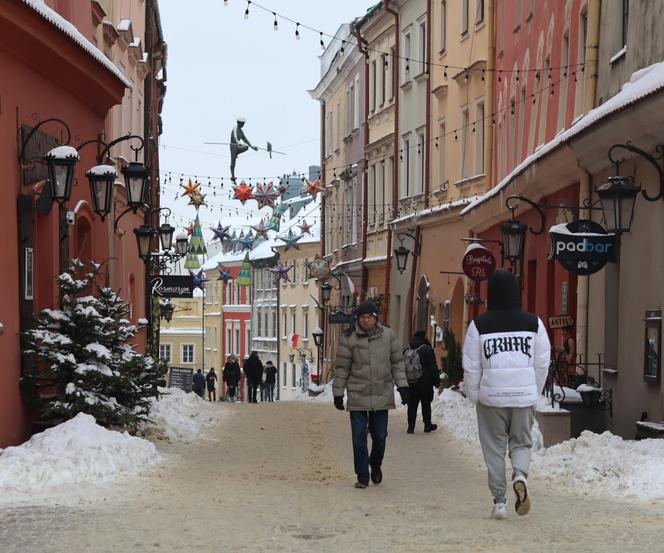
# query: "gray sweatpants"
500, 428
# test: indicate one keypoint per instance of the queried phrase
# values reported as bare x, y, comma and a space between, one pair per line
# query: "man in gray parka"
368, 365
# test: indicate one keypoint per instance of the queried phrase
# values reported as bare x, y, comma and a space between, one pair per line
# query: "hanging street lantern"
144, 235
401, 253
182, 244
513, 239
136, 176
167, 310
318, 336
326, 292
617, 197
102, 178
166, 236
61, 162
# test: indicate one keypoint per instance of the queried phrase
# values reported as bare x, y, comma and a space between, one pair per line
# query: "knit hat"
420, 334
367, 308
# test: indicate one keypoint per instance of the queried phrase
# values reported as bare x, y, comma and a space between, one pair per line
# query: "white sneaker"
520, 486
499, 511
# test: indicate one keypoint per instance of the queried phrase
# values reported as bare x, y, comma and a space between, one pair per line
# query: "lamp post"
317, 335
617, 197
401, 253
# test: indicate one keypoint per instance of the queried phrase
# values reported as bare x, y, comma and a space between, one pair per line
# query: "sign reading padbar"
172, 286
561, 321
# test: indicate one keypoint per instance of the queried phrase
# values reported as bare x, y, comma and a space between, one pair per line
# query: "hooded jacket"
367, 366
430, 375
506, 352
253, 368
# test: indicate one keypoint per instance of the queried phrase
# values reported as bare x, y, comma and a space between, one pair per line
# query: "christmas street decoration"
192, 261
319, 268
244, 278
305, 228
243, 192
247, 242
196, 243
291, 240
224, 274
313, 187
261, 230
280, 272
198, 278
190, 188
275, 221
221, 233
266, 195
190, 229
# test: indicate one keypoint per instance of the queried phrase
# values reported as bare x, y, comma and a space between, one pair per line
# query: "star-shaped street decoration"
305, 228
319, 268
247, 242
283, 188
261, 230
313, 187
243, 192
197, 200
190, 229
224, 274
190, 188
221, 233
266, 195
280, 272
291, 240
198, 278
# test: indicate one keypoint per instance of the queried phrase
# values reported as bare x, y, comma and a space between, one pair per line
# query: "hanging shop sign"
560, 321
478, 263
582, 247
340, 318
172, 286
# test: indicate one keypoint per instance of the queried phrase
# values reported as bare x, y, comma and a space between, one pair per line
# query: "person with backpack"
368, 365
231, 376
199, 383
253, 369
506, 356
423, 376
210, 379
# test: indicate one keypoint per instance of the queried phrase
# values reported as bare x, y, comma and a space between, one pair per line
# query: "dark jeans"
269, 391
415, 395
363, 423
253, 389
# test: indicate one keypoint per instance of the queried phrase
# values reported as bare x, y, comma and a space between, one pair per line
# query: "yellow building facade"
181, 339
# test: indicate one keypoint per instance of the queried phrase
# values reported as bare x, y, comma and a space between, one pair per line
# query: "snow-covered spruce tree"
83, 353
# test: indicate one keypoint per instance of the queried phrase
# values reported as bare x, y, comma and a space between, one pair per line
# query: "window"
479, 16
522, 120
652, 355
294, 322
357, 108
464, 17
247, 339
625, 21
479, 138
384, 79
285, 329
405, 180
284, 368
293, 375
406, 55
544, 104
564, 82
464, 143
420, 161
373, 85
581, 58
423, 47
443, 24
512, 157
187, 353
237, 340
372, 194
165, 352
305, 324
380, 208
229, 340
274, 324
259, 324
338, 135
442, 159
206, 337
395, 74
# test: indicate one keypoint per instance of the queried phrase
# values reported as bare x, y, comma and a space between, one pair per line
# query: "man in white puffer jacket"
506, 356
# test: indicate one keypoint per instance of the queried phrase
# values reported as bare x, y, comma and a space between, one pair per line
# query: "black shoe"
411, 430
431, 428
361, 484
376, 476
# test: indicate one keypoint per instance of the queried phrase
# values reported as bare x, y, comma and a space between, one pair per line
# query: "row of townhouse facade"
463, 104
97, 70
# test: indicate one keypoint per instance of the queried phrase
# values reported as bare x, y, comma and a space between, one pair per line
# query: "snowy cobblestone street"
279, 477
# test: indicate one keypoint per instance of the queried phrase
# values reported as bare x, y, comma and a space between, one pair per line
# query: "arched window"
422, 318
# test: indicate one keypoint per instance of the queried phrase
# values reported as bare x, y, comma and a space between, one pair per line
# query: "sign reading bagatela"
172, 286
583, 247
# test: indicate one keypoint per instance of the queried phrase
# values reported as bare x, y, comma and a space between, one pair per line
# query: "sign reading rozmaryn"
583, 247
172, 286
478, 263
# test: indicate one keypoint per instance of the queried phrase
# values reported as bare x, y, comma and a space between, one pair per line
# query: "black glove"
403, 392
339, 402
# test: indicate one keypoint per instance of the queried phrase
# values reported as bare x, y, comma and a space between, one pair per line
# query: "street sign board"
478, 263
561, 321
166, 286
583, 247
181, 377
340, 318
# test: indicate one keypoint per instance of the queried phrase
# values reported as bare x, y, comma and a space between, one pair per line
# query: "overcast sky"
220, 67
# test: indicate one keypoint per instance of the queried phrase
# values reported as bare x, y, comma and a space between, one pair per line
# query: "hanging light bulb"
322, 44
246, 12
276, 25
226, 3
297, 31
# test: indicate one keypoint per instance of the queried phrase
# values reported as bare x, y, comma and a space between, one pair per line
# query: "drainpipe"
488, 150
323, 200
395, 165
427, 129
362, 47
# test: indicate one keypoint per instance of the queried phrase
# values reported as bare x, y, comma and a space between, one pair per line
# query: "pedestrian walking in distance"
368, 364
506, 359
270, 380
423, 376
231, 375
253, 369
211, 380
199, 383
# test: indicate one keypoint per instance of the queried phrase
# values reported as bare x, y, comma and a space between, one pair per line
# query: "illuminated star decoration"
221, 233
197, 200
319, 268
223, 273
190, 229
280, 272
243, 192
313, 187
266, 194
291, 240
247, 242
190, 188
305, 228
198, 278
261, 230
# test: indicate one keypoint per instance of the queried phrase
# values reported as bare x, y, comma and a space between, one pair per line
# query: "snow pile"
73, 452
605, 464
180, 416
324, 393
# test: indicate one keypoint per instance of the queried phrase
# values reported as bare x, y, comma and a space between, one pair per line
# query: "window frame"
193, 353
653, 321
